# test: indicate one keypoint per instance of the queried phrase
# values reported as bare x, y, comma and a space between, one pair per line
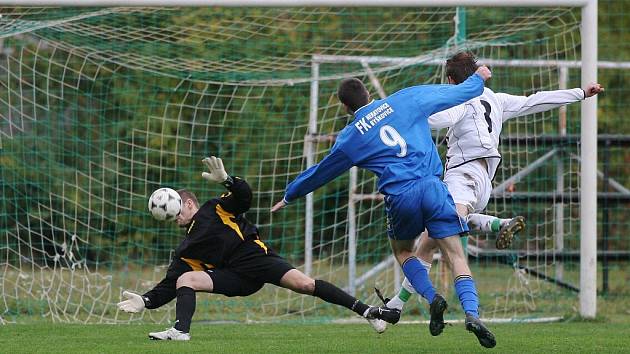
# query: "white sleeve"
516, 106
447, 118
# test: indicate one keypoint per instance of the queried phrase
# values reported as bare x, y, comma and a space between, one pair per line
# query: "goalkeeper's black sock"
185, 308
330, 293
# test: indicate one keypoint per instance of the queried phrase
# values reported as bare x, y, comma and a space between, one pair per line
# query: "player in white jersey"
473, 157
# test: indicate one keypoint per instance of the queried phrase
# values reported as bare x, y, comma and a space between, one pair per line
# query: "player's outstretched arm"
161, 294
333, 165
518, 106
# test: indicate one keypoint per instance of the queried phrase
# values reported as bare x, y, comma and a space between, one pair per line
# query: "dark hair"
460, 66
186, 194
353, 93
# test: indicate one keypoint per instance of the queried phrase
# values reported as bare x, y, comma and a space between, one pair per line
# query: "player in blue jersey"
391, 137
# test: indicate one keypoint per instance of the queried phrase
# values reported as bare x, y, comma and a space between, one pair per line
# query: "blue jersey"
390, 137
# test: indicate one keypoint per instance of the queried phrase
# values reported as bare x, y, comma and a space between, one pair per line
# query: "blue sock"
419, 278
467, 293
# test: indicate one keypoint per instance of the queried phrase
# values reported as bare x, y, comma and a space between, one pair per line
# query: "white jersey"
475, 126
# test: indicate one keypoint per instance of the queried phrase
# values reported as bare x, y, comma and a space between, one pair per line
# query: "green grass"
571, 337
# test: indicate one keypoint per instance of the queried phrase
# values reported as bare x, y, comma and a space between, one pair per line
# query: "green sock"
495, 225
403, 294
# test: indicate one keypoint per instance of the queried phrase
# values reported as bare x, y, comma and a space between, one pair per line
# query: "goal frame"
588, 134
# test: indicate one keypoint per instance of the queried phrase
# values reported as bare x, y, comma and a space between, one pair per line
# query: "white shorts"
470, 185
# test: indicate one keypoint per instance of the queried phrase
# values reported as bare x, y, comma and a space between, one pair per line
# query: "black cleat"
507, 232
437, 308
384, 313
485, 337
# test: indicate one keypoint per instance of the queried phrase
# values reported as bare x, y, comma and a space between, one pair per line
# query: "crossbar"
302, 3
511, 63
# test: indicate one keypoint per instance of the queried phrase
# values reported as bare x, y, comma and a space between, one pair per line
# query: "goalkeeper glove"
217, 172
134, 302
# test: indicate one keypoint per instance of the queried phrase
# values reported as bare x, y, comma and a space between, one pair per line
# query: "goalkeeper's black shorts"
249, 268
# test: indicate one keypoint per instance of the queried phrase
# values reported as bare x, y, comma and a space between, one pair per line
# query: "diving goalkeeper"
223, 254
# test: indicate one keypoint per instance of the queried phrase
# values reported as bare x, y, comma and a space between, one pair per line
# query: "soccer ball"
165, 204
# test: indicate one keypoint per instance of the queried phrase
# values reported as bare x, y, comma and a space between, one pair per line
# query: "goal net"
101, 106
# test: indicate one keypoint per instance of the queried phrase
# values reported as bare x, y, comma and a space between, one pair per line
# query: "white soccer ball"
165, 204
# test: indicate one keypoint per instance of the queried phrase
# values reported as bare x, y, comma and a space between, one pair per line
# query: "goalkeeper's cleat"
169, 334
384, 313
485, 337
507, 232
437, 308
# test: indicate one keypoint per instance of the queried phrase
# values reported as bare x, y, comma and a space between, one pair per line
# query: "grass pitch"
572, 337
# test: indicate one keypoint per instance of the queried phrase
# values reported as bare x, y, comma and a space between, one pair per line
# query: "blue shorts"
427, 204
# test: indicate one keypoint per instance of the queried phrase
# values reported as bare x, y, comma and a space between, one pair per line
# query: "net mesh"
100, 106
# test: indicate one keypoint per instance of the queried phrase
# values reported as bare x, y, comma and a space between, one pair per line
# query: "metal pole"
430, 60
588, 170
460, 26
352, 232
605, 219
310, 161
563, 77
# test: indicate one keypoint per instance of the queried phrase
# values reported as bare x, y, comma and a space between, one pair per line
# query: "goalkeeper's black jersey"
218, 229
215, 238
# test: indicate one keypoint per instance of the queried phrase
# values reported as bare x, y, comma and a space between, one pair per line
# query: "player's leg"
267, 266
303, 284
466, 289
406, 289
187, 284
418, 276
485, 223
471, 186
464, 284
425, 249
415, 272
405, 223
506, 228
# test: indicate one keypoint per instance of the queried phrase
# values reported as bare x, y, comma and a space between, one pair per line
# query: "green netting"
100, 106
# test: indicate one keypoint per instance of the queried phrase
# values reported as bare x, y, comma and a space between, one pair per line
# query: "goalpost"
179, 111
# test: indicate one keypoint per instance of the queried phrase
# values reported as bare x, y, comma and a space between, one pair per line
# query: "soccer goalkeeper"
223, 254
